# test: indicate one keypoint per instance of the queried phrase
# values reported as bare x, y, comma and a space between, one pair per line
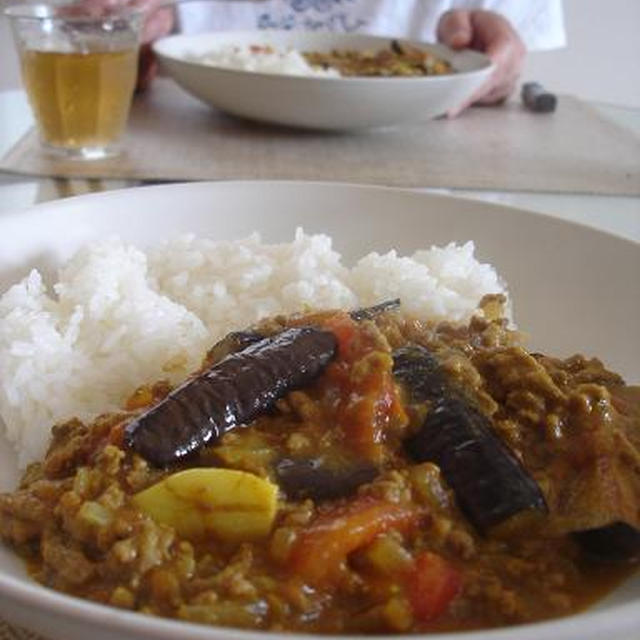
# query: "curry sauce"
321, 514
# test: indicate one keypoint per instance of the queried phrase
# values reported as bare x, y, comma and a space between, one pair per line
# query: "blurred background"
601, 62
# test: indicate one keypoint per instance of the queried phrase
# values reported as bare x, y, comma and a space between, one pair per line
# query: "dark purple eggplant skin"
238, 340
420, 372
232, 342
302, 478
489, 482
232, 392
369, 313
615, 542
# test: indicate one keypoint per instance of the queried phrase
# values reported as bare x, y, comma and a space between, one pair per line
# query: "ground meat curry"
399, 60
347, 473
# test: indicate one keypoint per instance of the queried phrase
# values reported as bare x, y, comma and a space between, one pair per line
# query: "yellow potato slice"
225, 504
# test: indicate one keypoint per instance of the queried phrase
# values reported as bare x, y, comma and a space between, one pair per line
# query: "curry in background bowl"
398, 60
347, 472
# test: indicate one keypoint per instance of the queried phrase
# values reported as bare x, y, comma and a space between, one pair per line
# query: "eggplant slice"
490, 484
302, 478
369, 313
420, 372
232, 392
618, 541
233, 342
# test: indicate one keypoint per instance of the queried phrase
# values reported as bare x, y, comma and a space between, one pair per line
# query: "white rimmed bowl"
318, 102
574, 289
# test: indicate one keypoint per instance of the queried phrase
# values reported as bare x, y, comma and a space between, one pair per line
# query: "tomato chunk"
369, 400
431, 585
322, 549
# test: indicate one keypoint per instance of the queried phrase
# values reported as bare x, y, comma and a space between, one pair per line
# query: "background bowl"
574, 290
318, 102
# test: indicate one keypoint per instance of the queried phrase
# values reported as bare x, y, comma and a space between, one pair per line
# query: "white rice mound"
441, 283
119, 317
230, 285
262, 59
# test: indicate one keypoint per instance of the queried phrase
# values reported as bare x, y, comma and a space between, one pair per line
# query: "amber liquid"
80, 100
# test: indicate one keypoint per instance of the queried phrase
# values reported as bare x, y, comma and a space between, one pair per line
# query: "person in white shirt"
538, 22
503, 29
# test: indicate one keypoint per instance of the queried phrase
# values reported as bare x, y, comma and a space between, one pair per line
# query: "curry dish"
347, 472
398, 60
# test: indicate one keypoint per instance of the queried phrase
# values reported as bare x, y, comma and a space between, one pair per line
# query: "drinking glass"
79, 70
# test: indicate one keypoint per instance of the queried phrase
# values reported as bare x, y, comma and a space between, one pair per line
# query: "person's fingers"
455, 29
489, 26
488, 94
146, 68
494, 36
91, 8
472, 99
157, 24
493, 91
147, 5
496, 94
158, 18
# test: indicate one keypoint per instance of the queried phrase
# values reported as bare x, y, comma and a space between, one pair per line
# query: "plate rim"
86, 611
13, 215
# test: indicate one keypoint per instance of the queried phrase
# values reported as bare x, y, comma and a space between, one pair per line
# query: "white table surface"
615, 214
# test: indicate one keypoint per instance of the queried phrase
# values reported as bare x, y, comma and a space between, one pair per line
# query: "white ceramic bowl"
574, 289
318, 102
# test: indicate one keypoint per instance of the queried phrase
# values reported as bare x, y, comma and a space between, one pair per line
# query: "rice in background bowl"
263, 58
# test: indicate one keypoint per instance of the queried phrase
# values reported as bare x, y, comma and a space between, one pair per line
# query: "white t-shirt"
539, 22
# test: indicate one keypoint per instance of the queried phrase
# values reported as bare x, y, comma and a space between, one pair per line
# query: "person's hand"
158, 22
493, 35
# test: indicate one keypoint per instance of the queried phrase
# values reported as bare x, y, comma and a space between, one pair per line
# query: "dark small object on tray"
536, 98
